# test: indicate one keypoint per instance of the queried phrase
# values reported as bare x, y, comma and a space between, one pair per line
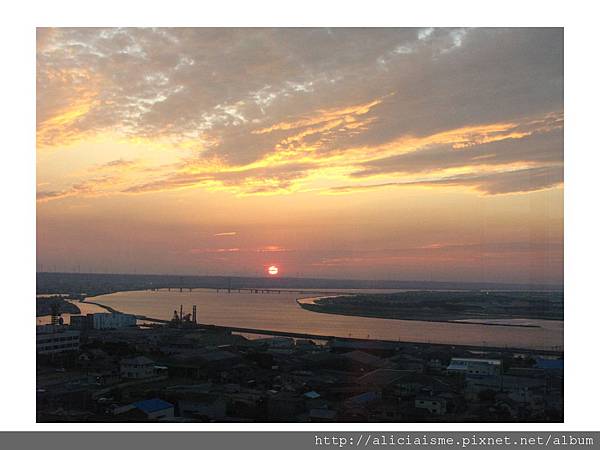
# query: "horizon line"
355, 280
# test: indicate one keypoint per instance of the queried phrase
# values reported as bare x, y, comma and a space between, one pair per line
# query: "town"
114, 367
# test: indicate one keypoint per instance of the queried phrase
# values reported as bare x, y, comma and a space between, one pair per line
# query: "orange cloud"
59, 119
345, 114
301, 171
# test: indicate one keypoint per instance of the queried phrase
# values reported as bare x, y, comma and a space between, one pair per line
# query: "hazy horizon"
413, 154
319, 279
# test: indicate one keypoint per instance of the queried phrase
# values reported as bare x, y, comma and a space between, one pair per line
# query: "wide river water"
281, 312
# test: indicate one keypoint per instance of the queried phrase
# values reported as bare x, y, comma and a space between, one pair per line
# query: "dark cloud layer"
538, 148
515, 181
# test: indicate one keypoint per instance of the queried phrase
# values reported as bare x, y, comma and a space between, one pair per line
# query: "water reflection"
280, 311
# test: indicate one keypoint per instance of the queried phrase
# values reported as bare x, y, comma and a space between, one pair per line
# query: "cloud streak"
507, 182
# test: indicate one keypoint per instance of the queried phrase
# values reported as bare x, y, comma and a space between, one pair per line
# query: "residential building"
103, 321
435, 405
475, 366
56, 339
215, 408
137, 368
518, 389
155, 409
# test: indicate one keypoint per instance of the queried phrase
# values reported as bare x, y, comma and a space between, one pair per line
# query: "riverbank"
311, 308
384, 343
503, 309
280, 312
317, 309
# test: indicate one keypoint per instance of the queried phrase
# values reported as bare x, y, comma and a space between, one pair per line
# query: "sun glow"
273, 270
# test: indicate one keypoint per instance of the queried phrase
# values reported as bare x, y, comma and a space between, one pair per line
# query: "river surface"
281, 312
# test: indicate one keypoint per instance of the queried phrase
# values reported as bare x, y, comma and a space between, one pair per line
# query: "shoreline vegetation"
44, 304
451, 307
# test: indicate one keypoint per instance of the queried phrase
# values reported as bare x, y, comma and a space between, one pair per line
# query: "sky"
366, 153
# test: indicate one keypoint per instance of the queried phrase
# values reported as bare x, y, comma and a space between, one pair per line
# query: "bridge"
250, 290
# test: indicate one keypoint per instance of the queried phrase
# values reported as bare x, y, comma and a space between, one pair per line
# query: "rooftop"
362, 357
550, 364
326, 414
480, 361
312, 394
152, 405
382, 377
138, 360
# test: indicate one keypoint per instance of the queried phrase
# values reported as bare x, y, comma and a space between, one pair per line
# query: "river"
281, 312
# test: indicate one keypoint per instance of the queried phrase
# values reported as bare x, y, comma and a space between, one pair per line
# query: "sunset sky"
408, 154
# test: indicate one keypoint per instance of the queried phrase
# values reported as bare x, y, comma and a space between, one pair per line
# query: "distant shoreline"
312, 304
455, 321
95, 283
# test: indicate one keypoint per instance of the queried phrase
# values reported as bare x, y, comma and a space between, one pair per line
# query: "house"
247, 403
435, 364
435, 405
384, 411
322, 415
360, 361
211, 408
413, 383
278, 342
518, 389
408, 362
155, 409
137, 368
475, 366
312, 395
284, 405
363, 399
195, 364
382, 377
378, 347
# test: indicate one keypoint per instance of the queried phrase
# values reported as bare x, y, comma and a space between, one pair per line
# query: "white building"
104, 321
474, 366
138, 368
55, 339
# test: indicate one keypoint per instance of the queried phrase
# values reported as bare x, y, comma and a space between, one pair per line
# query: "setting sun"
409, 182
